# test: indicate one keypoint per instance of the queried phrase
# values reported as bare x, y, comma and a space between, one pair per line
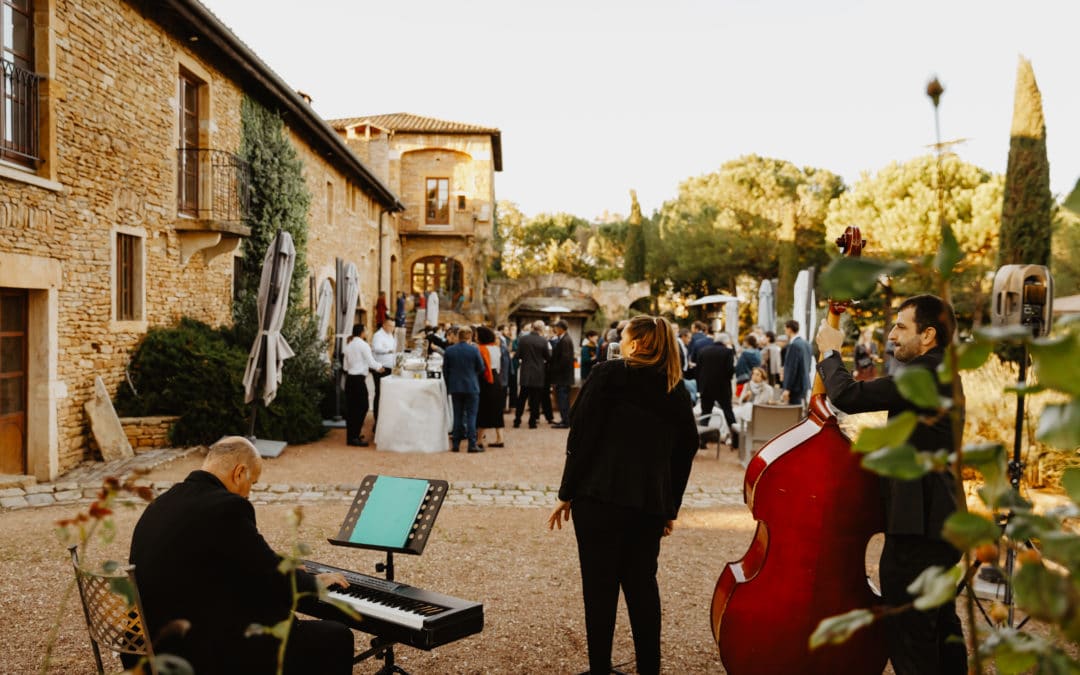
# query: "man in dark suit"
915, 510
699, 339
199, 557
715, 370
533, 354
797, 362
462, 369
561, 371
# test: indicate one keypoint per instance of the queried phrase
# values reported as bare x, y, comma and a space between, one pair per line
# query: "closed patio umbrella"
324, 308
766, 308
263, 373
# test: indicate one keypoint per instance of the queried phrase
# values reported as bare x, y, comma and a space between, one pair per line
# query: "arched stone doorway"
442, 274
612, 297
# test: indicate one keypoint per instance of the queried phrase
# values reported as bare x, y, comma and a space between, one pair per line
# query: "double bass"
816, 509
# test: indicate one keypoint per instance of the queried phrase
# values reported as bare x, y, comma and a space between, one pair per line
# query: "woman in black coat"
628, 456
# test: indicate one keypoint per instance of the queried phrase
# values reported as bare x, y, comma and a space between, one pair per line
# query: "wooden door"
12, 381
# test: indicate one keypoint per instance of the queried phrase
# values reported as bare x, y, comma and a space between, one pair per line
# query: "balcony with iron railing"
19, 111
212, 201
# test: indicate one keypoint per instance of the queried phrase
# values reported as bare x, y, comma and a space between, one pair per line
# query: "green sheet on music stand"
390, 513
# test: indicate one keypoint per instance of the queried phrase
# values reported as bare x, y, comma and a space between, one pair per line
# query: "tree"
1026, 210
732, 222
279, 195
1065, 259
634, 267
559, 242
896, 209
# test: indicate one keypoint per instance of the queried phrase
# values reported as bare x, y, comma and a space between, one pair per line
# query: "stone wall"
147, 433
112, 121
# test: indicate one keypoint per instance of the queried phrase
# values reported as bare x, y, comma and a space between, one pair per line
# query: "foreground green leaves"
837, 629
855, 278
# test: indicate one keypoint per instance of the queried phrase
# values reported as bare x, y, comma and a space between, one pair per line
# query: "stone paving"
81, 486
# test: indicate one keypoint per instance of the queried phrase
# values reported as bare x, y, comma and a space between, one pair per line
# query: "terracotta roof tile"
407, 122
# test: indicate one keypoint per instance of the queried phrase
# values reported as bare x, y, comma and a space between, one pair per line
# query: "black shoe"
517, 424
476, 449
560, 425
734, 440
353, 441
532, 425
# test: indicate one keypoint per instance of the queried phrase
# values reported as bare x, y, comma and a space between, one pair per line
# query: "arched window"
438, 273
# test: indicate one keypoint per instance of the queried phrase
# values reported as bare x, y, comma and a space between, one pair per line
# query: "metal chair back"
111, 620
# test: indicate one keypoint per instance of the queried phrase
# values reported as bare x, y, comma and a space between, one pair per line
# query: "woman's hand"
560, 515
669, 526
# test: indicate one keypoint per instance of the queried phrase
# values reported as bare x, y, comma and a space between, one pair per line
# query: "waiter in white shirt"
383, 347
357, 361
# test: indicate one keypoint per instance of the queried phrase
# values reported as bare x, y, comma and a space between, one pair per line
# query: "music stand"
395, 515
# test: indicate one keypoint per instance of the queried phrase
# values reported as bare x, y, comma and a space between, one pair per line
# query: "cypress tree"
634, 258
1026, 209
279, 196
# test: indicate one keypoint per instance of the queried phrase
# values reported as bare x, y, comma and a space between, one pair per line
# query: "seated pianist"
199, 557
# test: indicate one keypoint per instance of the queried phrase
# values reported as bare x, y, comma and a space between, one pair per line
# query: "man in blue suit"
462, 369
797, 364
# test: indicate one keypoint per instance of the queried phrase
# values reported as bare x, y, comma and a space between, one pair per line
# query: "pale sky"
595, 98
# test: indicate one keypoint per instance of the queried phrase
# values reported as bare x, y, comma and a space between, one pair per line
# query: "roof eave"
242, 56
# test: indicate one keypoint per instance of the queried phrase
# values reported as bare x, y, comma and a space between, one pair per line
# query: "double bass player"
919, 643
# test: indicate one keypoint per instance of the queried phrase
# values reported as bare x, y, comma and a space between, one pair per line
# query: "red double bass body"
816, 510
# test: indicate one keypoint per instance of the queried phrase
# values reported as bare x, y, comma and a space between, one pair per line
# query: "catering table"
414, 415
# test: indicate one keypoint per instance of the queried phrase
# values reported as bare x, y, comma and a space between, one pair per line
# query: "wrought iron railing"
212, 185
19, 114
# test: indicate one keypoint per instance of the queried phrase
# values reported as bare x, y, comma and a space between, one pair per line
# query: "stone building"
445, 175
122, 199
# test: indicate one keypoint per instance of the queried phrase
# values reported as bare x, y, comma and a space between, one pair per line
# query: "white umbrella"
731, 319
270, 349
555, 309
324, 308
766, 308
712, 299
801, 302
348, 295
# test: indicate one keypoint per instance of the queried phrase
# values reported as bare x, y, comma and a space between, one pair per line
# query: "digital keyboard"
397, 612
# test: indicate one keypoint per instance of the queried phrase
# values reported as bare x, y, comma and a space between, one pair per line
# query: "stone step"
16, 481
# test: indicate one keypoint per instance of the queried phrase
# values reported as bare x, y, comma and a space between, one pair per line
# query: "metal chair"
766, 423
111, 620
712, 428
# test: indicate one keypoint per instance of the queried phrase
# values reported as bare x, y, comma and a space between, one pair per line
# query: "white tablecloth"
414, 415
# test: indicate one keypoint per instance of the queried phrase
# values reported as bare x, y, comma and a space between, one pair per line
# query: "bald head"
235, 462
538, 326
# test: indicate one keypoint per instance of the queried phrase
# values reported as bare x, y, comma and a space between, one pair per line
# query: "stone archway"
613, 297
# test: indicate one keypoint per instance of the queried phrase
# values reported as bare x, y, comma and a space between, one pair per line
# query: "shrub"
196, 372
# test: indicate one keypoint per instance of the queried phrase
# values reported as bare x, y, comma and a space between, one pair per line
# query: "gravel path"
497, 552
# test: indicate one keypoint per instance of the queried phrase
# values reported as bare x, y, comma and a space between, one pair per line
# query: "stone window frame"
428, 221
187, 67
138, 323
44, 175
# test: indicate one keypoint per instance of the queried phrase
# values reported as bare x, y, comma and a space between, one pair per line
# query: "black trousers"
710, 398
312, 647
356, 406
533, 396
545, 404
618, 548
919, 642
377, 379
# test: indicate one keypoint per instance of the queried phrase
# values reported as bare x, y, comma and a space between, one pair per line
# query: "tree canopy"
897, 211
740, 220
559, 242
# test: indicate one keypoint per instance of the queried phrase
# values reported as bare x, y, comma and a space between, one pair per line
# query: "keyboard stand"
393, 515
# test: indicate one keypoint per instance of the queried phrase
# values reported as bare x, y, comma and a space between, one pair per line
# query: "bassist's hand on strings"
560, 515
829, 338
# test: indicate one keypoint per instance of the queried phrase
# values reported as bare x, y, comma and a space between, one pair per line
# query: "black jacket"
533, 353
631, 442
917, 506
715, 369
561, 366
198, 555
